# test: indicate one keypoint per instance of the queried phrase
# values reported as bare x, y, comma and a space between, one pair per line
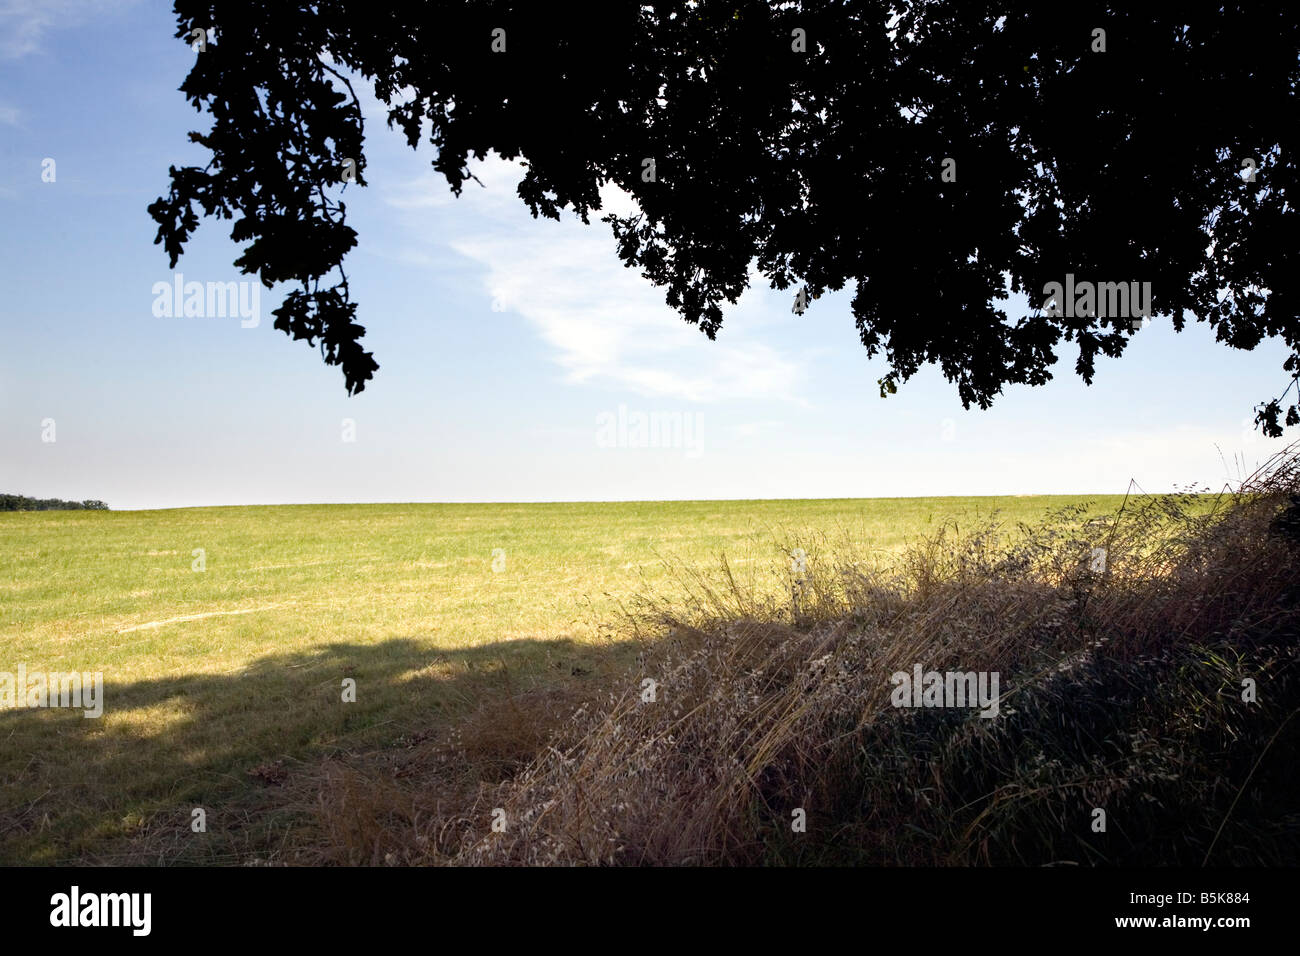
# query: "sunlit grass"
211, 674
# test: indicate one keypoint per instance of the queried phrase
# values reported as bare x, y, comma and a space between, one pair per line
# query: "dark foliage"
823, 165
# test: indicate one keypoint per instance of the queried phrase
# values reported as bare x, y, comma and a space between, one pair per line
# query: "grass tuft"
1121, 690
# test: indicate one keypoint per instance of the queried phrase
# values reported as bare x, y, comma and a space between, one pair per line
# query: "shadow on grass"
74, 789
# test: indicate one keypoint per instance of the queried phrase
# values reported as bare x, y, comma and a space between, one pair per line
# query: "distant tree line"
23, 503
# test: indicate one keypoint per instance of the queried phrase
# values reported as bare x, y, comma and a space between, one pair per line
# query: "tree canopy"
933, 156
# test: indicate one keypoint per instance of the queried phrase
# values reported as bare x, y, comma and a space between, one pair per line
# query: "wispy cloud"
23, 23
605, 324
9, 114
427, 191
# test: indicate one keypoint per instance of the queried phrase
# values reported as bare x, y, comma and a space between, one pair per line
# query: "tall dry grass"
1121, 686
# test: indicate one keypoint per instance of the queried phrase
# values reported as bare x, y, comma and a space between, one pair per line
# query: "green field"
210, 674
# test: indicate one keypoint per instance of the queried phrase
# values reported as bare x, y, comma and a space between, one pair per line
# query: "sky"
519, 360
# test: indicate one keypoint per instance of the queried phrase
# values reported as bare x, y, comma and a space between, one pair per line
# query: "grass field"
214, 678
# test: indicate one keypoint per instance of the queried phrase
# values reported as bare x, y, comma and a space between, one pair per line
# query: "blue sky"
506, 344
